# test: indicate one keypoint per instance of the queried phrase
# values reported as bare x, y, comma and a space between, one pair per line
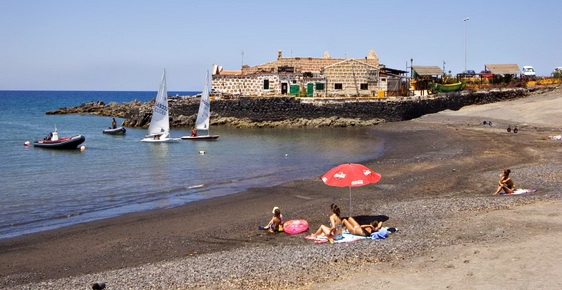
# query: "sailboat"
159, 129
203, 116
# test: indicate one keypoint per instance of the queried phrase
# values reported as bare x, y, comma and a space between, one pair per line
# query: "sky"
124, 45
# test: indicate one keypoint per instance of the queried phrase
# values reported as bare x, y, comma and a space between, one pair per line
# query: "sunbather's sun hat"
274, 208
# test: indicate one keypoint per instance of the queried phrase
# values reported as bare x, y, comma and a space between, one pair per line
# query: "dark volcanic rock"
295, 112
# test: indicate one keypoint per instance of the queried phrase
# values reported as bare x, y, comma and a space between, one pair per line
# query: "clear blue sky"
125, 44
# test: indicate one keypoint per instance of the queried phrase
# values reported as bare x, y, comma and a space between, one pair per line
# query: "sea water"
44, 189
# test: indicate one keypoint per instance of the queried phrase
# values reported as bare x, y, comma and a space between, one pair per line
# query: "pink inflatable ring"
293, 227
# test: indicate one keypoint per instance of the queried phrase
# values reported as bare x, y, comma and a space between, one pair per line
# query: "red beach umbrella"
350, 175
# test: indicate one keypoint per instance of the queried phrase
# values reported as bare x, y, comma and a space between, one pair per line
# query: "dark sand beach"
439, 172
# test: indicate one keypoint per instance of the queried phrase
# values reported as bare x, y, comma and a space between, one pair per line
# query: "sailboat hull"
161, 140
200, 137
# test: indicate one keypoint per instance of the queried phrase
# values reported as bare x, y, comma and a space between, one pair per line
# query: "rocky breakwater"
295, 112
99, 108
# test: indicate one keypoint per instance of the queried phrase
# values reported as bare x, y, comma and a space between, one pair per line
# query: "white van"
528, 71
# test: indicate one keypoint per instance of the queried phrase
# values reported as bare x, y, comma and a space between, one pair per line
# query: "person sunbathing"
505, 183
336, 227
353, 227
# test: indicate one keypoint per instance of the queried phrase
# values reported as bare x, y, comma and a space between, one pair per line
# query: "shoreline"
286, 160
219, 238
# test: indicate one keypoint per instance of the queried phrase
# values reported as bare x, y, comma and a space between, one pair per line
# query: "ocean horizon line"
183, 91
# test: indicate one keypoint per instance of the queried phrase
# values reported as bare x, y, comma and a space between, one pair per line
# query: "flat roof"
423, 70
503, 69
392, 71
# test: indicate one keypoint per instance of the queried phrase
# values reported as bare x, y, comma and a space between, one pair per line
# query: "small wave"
245, 178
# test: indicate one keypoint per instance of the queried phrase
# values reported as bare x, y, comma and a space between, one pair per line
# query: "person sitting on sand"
353, 227
505, 183
336, 229
276, 221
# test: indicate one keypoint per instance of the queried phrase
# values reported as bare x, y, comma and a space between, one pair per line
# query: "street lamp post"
465, 21
411, 69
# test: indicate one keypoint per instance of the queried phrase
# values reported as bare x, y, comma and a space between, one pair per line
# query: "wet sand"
438, 175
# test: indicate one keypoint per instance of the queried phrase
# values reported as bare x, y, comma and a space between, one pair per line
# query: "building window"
319, 86
364, 86
383, 80
266, 84
338, 86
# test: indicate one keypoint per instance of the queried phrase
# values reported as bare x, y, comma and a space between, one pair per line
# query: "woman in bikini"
336, 229
353, 227
505, 183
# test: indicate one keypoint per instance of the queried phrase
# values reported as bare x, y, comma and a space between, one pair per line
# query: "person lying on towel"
353, 227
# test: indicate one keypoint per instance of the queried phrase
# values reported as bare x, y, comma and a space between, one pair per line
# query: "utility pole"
465, 21
411, 70
242, 61
410, 67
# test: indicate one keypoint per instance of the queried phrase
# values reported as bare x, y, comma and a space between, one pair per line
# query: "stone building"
305, 76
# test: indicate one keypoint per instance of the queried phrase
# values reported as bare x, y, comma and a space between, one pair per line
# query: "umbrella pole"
350, 201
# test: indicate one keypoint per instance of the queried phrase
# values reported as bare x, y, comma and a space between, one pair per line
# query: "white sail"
204, 113
160, 123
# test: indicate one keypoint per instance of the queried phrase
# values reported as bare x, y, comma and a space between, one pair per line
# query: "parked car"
486, 74
528, 71
469, 72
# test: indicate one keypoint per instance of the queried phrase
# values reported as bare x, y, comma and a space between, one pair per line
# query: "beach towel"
380, 234
519, 191
348, 238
